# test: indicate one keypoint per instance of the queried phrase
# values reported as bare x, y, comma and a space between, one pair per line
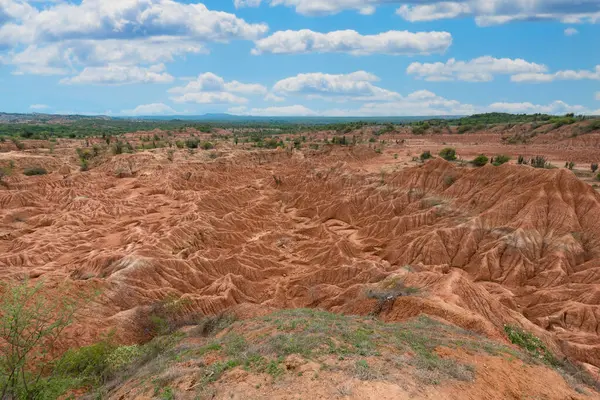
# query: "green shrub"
521, 160
207, 146
594, 167
501, 159
192, 143
34, 171
480, 160
426, 155
532, 344
540, 162
448, 154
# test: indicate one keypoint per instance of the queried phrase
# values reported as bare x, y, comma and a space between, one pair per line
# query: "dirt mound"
480, 248
307, 354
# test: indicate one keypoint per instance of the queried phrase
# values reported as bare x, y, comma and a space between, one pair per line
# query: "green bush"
34, 171
426, 155
448, 154
207, 146
480, 161
594, 167
532, 344
540, 162
192, 143
501, 159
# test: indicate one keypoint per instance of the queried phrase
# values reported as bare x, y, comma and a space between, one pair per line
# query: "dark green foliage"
521, 160
540, 162
32, 171
208, 146
594, 167
192, 143
480, 161
426, 155
501, 159
570, 165
448, 154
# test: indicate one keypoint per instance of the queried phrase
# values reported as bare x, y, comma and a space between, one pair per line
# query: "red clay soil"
485, 247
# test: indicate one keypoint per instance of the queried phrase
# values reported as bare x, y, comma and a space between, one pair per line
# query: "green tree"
30, 326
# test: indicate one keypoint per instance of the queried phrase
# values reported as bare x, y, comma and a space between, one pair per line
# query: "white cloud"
482, 69
556, 107
352, 42
120, 75
571, 32
150, 109
344, 87
39, 107
486, 12
101, 19
209, 88
62, 38
286, 111
566, 75
273, 97
598, 96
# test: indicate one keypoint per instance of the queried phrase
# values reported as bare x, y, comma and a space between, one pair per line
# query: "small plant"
278, 180
426, 155
532, 344
34, 171
570, 165
540, 162
501, 159
83, 165
396, 156
480, 161
208, 146
521, 160
192, 143
449, 154
594, 167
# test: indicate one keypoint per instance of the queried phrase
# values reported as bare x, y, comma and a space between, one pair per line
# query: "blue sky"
300, 57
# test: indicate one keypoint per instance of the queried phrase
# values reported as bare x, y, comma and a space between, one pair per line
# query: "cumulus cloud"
565, 75
571, 32
209, 88
556, 107
482, 69
357, 86
150, 109
101, 19
64, 38
421, 103
486, 12
120, 75
352, 42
